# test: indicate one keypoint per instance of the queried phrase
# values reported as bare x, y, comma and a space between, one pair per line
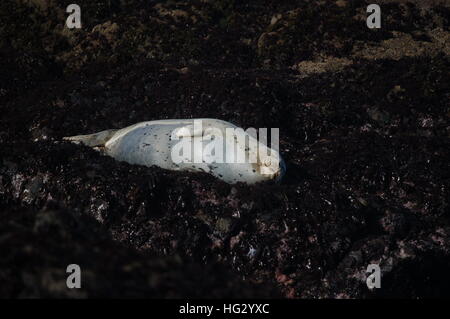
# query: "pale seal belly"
185, 145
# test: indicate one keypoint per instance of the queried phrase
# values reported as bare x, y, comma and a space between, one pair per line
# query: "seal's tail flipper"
92, 140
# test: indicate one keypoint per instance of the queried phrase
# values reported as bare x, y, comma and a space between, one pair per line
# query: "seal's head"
247, 158
272, 166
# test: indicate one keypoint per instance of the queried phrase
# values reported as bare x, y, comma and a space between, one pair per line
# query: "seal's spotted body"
152, 143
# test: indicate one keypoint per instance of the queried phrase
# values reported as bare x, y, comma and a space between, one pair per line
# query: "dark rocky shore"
364, 128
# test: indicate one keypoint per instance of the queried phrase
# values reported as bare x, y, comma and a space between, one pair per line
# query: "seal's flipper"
92, 140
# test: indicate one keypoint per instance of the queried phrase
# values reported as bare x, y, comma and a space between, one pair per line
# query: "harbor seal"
201, 145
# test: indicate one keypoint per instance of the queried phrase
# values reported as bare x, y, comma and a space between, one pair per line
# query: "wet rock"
363, 117
108, 269
32, 190
394, 223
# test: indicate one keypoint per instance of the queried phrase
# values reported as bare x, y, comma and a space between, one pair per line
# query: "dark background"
364, 128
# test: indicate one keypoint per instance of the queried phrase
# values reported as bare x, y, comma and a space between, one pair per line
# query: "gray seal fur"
152, 143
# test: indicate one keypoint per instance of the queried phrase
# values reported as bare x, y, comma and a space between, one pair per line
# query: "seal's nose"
281, 170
